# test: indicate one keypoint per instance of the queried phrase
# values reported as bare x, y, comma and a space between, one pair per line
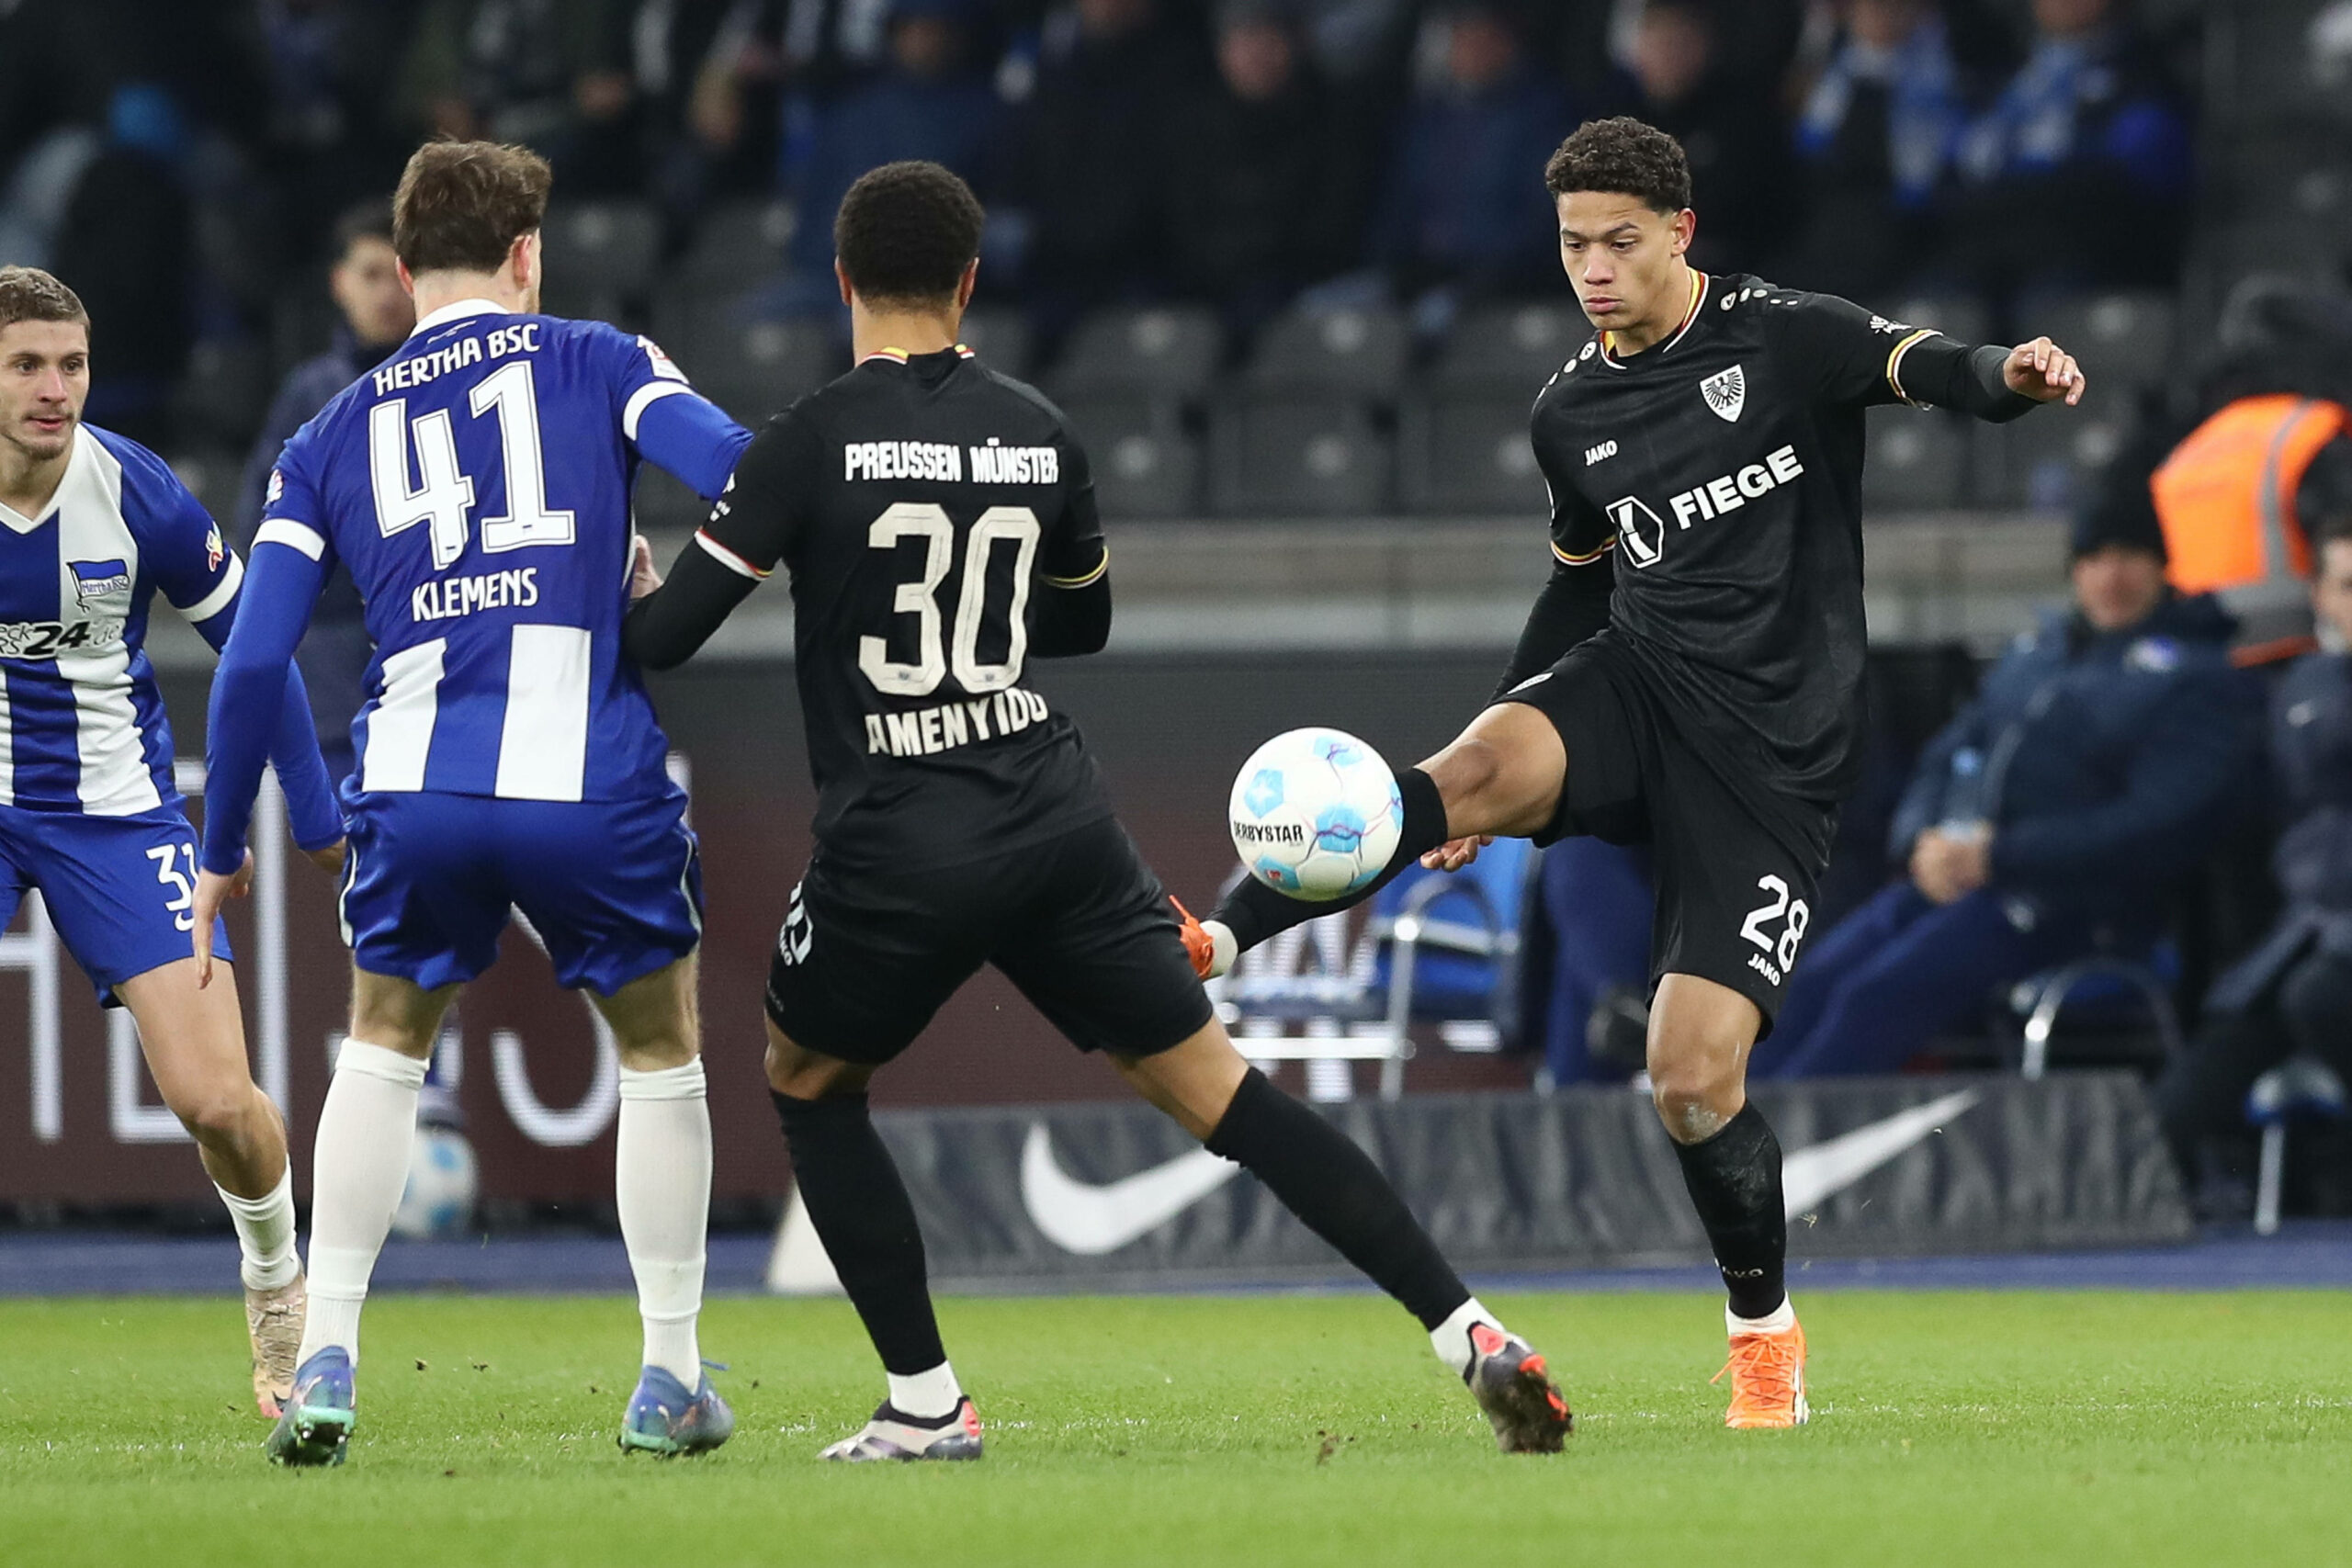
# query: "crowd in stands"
182, 164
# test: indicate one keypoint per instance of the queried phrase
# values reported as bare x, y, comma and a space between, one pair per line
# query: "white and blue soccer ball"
442, 1186
1316, 814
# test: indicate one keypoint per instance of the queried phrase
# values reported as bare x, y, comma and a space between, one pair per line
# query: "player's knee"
800, 1074
1696, 1090
216, 1115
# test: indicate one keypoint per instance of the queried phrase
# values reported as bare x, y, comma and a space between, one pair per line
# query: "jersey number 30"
936, 653
447, 495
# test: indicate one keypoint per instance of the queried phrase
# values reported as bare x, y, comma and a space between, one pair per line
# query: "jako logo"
1601, 453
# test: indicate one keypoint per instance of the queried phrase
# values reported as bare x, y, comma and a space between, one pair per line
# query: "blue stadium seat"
2110, 992
2048, 462
1510, 351
2302, 1089
2123, 340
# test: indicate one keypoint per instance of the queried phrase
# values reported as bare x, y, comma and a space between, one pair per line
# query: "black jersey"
1720, 471
925, 508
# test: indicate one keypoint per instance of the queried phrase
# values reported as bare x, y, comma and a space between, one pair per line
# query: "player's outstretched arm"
750, 528
316, 822
2044, 372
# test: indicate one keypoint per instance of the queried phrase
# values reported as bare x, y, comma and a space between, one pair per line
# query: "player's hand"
2044, 372
1455, 854
643, 579
213, 890
329, 857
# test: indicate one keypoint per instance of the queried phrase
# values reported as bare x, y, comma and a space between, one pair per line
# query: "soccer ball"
442, 1184
1316, 814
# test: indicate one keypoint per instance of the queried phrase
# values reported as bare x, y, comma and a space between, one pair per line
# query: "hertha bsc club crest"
1726, 392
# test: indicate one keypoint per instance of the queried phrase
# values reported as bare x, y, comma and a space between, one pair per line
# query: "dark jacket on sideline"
2310, 759
334, 653
2109, 764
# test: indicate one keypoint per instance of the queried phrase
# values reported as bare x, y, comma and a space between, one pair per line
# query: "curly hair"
1624, 157
905, 232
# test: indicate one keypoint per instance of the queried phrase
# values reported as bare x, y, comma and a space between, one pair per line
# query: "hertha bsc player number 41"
1690, 676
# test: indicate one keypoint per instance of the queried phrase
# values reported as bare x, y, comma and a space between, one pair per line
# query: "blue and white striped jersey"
477, 485
81, 725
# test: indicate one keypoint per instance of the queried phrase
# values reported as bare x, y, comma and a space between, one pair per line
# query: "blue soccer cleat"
314, 1427
665, 1420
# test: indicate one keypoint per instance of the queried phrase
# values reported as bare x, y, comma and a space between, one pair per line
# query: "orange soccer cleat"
1767, 1379
1198, 945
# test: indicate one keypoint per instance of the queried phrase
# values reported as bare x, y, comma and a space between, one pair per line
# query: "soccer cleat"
1513, 1385
665, 1420
894, 1434
315, 1425
1767, 1379
274, 1324
1201, 944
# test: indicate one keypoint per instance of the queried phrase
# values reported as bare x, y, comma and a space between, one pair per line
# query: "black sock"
867, 1224
1320, 1176
1734, 1182
1253, 912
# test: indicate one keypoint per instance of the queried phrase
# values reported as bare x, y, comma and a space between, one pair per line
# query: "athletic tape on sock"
685, 1082
380, 1062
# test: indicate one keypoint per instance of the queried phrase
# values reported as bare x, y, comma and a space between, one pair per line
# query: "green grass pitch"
2075, 1428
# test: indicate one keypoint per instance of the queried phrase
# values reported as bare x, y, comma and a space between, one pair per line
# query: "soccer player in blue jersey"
91, 526
476, 485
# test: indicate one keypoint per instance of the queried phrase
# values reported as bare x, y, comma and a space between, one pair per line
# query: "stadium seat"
2299, 1089
1468, 453
600, 257
754, 370
1285, 457
1510, 350
1913, 462
1159, 352
736, 246
2106, 990
2123, 340
2048, 460
2284, 60
1000, 336
1144, 464
1961, 317
662, 504
1433, 947
2287, 207
224, 394
1343, 353
213, 476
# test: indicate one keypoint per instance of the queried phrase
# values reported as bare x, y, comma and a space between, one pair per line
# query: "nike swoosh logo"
1819, 1171
1081, 1217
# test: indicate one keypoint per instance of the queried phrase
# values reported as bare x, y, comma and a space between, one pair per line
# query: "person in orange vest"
2243, 477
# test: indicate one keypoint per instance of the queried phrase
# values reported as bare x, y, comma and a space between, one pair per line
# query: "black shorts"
1078, 924
1735, 896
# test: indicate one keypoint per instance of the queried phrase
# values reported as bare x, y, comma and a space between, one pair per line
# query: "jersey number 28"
447, 495
936, 650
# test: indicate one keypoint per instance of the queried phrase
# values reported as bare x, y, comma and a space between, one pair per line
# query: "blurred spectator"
1089, 139
1875, 144
2237, 459
2050, 819
2294, 991
331, 66
1267, 171
929, 101
127, 247
376, 316
551, 74
1357, 41
2080, 173
1587, 939
1736, 140
1465, 211
706, 73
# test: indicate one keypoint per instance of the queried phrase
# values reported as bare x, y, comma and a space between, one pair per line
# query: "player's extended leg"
859, 1207
1501, 777
1321, 1176
358, 1167
195, 1044
661, 1180
1700, 1033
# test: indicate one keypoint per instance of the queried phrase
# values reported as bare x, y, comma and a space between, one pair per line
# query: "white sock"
662, 1178
1452, 1339
358, 1170
1780, 1320
927, 1396
266, 1233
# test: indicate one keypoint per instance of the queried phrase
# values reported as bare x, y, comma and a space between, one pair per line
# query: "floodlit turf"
1980, 1429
